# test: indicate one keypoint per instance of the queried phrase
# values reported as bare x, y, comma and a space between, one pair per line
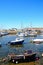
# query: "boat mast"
21, 26
30, 27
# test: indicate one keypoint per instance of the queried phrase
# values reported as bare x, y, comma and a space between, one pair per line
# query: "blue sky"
17, 13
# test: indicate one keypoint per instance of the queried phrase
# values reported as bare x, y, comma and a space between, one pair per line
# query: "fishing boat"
17, 41
27, 56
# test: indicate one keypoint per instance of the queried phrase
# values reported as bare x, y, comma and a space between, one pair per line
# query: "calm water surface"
18, 49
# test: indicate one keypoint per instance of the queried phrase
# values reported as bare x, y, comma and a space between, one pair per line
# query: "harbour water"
18, 49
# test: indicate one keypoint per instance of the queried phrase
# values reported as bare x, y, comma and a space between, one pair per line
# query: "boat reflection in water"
16, 46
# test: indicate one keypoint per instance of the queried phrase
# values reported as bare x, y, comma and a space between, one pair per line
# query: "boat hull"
21, 59
15, 43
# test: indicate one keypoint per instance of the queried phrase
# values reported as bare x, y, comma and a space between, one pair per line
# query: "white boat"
37, 40
17, 41
26, 34
32, 35
0, 34
21, 34
3, 33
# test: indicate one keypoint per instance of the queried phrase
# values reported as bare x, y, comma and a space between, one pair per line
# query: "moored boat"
22, 34
37, 41
32, 35
17, 41
27, 56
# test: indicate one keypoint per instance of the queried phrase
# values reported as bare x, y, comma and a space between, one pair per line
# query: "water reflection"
16, 46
